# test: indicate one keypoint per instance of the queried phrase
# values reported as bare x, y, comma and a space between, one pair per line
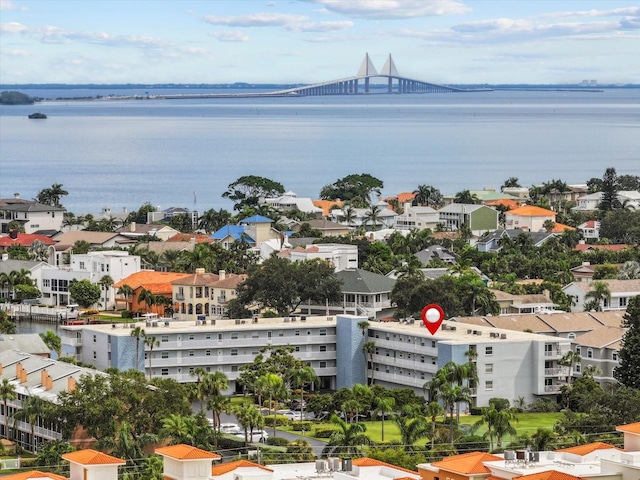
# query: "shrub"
323, 432
281, 420
475, 410
277, 441
231, 443
269, 314
300, 426
126, 314
543, 405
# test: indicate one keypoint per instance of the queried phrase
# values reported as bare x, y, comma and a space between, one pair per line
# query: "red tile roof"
582, 247
92, 457
155, 282
507, 202
588, 448
34, 474
370, 462
231, 466
24, 239
186, 237
549, 475
629, 428
327, 205
186, 452
532, 211
467, 463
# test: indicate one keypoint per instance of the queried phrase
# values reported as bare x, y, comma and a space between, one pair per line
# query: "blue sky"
307, 41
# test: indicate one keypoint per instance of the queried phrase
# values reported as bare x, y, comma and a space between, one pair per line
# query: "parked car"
258, 436
290, 414
231, 428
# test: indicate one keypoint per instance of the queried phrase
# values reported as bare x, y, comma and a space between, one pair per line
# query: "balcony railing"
552, 388
222, 300
179, 296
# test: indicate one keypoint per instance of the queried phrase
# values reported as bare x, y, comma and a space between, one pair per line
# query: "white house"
291, 201
417, 218
32, 215
341, 256
621, 292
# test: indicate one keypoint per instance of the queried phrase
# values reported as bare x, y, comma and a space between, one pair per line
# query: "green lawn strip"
527, 424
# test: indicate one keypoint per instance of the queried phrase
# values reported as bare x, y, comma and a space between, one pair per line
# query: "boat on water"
37, 115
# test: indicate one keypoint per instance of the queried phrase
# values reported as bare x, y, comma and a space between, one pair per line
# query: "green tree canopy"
354, 186
283, 285
628, 371
247, 190
52, 195
84, 292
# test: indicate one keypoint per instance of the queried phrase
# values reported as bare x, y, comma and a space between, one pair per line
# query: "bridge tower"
366, 71
389, 69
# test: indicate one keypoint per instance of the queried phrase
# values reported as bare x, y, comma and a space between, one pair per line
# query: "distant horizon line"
249, 85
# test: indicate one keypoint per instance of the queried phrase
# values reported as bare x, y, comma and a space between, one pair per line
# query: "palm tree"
217, 404
498, 423
32, 408
177, 427
106, 282
151, 342
249, 417
569, 359
599, 295
171, 259
348, 215
383, 405
272, 386
349, 436
372, 216
147, 297
427, 196
412, 428
368, 349
7, 392
301, 377
52, 341
465, 196
126, 291
212, 220
140, 336
51, 196
433, 410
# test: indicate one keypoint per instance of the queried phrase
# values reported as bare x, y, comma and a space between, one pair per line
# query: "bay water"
123, 153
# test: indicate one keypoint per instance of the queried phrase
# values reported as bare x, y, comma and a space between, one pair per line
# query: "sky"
309, 41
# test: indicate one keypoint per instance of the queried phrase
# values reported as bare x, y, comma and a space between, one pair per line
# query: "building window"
589, 352
323, 364
578, 367
164, 355
323, 331
94, 339
281, 334
234, 352
94, 355
192, 336
297, 349
323, 348
488, 385
614, 356
234, 335
297, 333
488, 368
234, 368
164, 338
488, 351
578, 350
191, 353
571, 336
207, 353
623, 301
164, 372
207, 336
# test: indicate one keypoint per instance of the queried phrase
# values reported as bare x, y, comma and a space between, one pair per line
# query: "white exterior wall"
533, 224
343, 257
93, 472
40, 220
187, 469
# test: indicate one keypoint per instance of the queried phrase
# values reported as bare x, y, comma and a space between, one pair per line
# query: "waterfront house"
291, 201
135, 231
165, 216
341, 256
33, 216
492, 242
157, 283
621, 292
417, 218
478, 218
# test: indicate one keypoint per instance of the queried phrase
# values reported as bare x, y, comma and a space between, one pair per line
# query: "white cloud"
393, 9
233, 36
595, 13
15, 52
9, 5
292, 23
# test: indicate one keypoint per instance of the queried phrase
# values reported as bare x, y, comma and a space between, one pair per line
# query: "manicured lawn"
527, 424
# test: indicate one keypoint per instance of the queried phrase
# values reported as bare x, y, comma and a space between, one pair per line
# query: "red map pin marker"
432, 317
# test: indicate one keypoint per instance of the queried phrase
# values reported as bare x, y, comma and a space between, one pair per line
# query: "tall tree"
52, 341
106, 282
52, 195
609, 189
428, 196
7, 392
372, 217
152, 342
597, 296
213, 220
348, 438
139, 334
301, 377
351, 187
511, 182
32, 408
272, 387
84, 292
628, 370
383, 406
247, 190
465, 196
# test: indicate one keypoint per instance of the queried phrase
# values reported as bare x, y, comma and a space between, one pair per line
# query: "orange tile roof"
24, 239
92, 457
231, 280
155, 282
561, 227
34, 474
402, 197
629, 428
467, 463
588, 448
371, 462
231, 466
186, 452
186, 237
549, 475
507, 202
532, 211
327, 205
581, 247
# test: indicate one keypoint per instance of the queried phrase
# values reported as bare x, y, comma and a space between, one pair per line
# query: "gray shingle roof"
363, 281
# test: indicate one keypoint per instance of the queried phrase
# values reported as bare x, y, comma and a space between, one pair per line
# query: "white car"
231, 428
258, 436
290, 414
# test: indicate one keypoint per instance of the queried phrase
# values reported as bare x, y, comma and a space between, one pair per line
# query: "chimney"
132, 227
21, 373
192, 240
71, 384
49, 385
222, 274
16, 195
5, 257
199, 271
43, 378
0, 369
